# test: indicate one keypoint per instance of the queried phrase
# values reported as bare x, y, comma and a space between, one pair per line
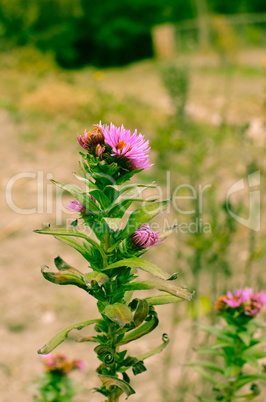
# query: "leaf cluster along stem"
114, 260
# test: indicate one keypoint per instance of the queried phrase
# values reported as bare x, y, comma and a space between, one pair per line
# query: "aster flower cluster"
60, 365
243, 300
112, 143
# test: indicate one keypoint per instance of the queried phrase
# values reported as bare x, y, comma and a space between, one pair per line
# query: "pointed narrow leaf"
72, 233
64, 277
141, 216
76, 245
165, 233
61, 264
209, 350
156, 350
217, 332
142, 330
245, 379
99, 277
141, 312
162, 299
207, 365
162, 286
119, 209
245, 337
62, 335
84, 198
207, 376
119, 313
138, 218
123, 188
108, 381
113, 223
145, 265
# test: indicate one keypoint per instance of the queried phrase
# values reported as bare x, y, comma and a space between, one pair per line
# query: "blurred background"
190, 76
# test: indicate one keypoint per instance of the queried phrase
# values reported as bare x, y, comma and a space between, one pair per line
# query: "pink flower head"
48, 360
255, 304
92, 140
251, 303
234, 301
61, 365
76, 206
132, 148
145, 237
79, 364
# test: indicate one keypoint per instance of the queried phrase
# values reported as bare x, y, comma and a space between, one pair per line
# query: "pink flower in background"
48, 360
251, 303
234, 301
76, 206
145, 237
79, 364
61, 365
255, 304
131, 147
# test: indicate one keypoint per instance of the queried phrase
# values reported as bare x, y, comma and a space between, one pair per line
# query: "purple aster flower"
92, 140
76, 206
144, 237
132, 148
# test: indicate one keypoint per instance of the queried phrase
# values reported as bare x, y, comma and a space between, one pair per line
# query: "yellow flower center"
121, 144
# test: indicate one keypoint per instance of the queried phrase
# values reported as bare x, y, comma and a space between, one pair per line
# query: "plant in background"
113, 156
237, 344
55, 385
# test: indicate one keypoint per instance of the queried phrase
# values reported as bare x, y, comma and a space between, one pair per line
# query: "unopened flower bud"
145, 237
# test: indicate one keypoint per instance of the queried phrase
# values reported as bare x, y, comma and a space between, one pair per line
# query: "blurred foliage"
100, 33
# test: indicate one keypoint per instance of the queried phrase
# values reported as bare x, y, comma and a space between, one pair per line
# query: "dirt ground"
32, 309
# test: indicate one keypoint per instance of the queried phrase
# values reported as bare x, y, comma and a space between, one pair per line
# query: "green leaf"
162, 299
62, 335
162, 286
245, 379
62, 265
141, 216
128, 187
84, 198
64, 277
156, 350
219, 333
119, 209
113, 223
72, 233
145, 265
106, 354
142, 330
207, 376
252, 361
138, 218
108, 381
99, 277
209, 350
165, 233
207, 365
245, 337
119, 313
141, 312
255, 352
